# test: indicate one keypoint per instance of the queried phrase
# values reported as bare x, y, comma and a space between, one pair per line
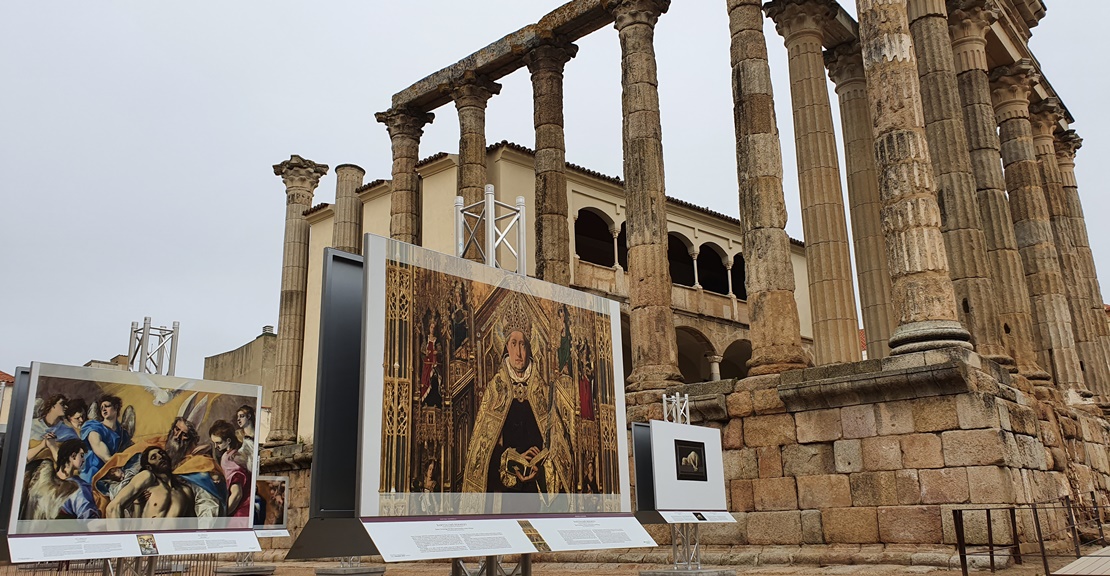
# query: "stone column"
920, 287
545, 62
845, 64
1053, 336
1086, 321
616, 232
775, 333
961, 223
714, 366
728, 273
968, 22
651, 319
471, 96
347, 231
1067, 143
405, 126
831, 295
301, 178
694, 257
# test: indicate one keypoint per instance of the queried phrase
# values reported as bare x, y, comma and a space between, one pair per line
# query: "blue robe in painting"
115, 440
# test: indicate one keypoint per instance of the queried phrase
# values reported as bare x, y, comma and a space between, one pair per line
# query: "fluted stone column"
845, 64
405, 126
1045, 119
969, 21
1053, 336
831, 295
471, 96
301, 178
773, 314
1067, 143
920, 286
347, 230
654, 344
545, 62
961, 223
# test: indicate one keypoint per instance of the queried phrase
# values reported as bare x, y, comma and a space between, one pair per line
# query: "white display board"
486, 393
117, 463
122, 545
271, 506
593, 533
402, 541
688, 468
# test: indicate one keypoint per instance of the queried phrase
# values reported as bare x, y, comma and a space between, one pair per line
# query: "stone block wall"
295, 462
883, 451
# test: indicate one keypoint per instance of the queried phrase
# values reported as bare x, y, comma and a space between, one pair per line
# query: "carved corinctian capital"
474, 90
300, 176
550, 56
405, 122
845, 63
1045, 116
968, 22
796, 18
1010, 89
628, 12
1068, 143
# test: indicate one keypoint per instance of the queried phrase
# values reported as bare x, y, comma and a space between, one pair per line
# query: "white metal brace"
468, 219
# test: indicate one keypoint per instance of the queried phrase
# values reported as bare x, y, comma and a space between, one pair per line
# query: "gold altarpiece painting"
498, 392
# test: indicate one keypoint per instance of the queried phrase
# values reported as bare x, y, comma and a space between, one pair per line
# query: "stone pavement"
1032, 567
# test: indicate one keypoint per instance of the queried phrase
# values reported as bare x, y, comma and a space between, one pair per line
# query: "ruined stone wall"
883, 451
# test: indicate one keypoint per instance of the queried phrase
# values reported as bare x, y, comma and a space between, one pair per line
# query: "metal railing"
1059, 521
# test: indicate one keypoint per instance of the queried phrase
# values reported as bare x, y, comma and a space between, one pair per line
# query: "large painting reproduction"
487, 392
117, 451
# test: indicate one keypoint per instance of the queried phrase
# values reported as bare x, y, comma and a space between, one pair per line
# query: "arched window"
739, 285
712, 274
681, 264
592, 240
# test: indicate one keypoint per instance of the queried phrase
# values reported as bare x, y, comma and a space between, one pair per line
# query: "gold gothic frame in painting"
117, 451
486, 392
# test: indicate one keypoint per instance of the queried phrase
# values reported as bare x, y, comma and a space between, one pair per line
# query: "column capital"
713, 357
300, 175
627, 12
845, 63
1045, 116
1011, 86
968, 22
550, 56
405, 121
474, 90
1068, 143
800, 17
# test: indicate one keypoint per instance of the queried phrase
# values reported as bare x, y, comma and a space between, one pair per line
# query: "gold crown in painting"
515, 317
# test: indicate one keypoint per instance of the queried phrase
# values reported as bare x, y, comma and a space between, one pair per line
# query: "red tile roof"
6, 378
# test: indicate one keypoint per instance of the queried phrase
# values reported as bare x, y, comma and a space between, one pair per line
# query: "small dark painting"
689, 459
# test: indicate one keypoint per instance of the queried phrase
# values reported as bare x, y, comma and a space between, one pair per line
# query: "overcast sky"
137, 139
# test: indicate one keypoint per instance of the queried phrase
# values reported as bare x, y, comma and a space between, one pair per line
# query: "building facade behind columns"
988, 345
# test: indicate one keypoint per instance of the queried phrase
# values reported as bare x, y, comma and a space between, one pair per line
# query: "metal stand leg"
685, 546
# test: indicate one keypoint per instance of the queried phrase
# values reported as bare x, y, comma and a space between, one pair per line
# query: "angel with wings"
108, 431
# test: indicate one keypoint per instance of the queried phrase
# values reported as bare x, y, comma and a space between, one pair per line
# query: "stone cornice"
550, 56
405, 121
474, 90
845, 64
1010, 89
572, 20
300, 175
799, 18
628, 12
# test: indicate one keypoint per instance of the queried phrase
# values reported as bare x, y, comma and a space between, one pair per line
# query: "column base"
929, 335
